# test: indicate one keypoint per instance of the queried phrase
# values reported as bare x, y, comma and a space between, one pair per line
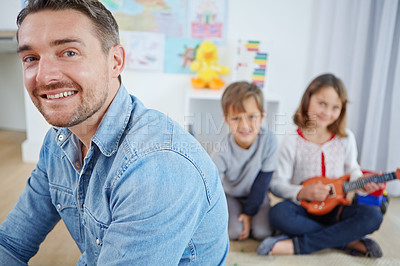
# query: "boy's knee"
234, 232
261, 233
233, 235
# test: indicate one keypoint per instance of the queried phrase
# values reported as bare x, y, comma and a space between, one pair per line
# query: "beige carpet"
242, 253
326, 257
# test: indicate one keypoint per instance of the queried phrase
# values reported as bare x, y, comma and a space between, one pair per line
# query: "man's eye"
322, 103
235, 118
30, 59
69, 53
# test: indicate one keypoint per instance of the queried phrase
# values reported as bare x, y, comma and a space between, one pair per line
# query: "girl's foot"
275, 245
366, 246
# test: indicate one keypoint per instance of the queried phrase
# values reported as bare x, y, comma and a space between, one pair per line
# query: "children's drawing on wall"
251, 64
187, 56
172, 18
207, 19
179, 54
162, 16
144, 50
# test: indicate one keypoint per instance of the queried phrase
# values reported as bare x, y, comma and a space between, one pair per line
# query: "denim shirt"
146, 194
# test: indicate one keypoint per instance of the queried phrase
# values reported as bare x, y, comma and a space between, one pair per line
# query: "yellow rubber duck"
208, 71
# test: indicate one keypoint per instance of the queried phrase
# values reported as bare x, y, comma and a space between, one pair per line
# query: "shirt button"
78, 165
58, 206
60, 138
98, 241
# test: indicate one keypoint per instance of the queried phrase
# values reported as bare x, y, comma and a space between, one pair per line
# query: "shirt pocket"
64, 202
95, 232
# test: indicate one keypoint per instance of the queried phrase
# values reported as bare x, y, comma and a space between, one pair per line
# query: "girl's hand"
246, 221
372, 187
314, 192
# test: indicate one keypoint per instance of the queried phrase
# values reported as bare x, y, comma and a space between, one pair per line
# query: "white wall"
12, 108
285, 24
8, 14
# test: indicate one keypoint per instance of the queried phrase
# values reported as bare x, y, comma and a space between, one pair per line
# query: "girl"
321, 147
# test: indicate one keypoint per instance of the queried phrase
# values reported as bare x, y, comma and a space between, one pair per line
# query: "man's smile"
59, 95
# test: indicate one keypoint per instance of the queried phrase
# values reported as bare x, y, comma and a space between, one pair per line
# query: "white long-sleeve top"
300, 159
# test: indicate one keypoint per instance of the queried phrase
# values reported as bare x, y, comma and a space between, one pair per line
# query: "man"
131, 186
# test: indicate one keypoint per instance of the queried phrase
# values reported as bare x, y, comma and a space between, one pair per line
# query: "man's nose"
48, 71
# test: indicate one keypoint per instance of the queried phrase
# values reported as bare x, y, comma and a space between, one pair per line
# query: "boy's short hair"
237, 92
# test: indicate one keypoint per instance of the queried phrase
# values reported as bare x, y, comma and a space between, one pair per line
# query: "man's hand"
314, 192
246, 221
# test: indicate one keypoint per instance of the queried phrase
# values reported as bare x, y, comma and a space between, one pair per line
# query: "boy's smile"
245, 126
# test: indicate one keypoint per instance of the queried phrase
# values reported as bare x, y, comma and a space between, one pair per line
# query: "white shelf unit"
204, 118
8, 41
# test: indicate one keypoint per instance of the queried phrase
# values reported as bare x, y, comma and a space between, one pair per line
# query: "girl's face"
246, 125
324, 107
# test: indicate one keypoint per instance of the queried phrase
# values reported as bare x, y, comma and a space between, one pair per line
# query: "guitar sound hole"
332, 191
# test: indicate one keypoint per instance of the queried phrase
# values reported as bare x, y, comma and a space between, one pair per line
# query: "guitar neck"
360, 183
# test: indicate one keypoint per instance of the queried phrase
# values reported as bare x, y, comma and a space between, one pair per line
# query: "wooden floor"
59, 248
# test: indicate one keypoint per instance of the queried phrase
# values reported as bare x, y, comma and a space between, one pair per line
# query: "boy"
246, 161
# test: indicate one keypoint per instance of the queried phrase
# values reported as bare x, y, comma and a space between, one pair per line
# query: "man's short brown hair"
104, 23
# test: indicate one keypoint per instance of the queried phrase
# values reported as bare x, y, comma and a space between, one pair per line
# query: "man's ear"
117, 57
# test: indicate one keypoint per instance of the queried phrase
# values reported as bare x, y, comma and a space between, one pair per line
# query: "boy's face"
66, 72
246, 125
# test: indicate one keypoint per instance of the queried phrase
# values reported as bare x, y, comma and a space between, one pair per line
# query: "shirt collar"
111, 127
114, 123
301, 134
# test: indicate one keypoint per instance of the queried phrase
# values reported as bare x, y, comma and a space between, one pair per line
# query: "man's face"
66, 72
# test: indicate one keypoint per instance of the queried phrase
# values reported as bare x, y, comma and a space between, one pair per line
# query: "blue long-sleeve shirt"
257, 193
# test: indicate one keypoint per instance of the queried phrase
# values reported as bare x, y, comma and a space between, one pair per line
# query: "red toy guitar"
339, 187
